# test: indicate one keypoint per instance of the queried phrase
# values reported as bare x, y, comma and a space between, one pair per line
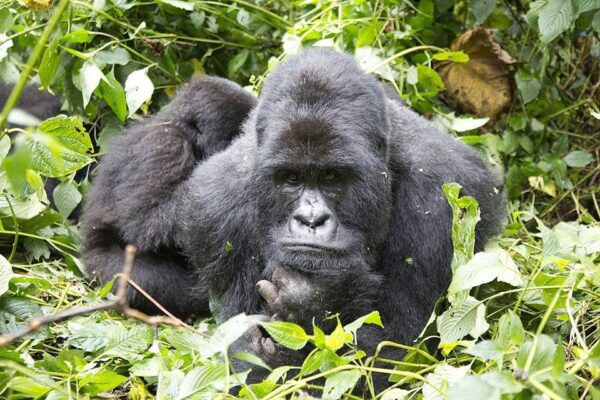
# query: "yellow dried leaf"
484, 85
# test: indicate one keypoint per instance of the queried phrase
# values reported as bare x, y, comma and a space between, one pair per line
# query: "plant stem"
15, 95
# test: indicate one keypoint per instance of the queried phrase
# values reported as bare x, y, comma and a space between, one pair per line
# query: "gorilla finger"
268, 291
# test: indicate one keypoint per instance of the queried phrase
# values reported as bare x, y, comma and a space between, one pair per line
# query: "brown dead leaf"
484, 85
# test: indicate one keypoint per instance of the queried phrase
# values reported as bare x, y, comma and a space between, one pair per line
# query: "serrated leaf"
338, 384
128, 343
5, 274
461, 319
112, 92
138, 89
35, 386
287, 334
66, 197
200, 378
102, 381
89, 337
487, 350
555, 18
578, 159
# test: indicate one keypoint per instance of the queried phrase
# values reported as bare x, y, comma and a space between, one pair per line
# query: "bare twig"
119, 303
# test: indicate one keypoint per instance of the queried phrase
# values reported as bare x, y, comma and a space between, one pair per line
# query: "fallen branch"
119, 303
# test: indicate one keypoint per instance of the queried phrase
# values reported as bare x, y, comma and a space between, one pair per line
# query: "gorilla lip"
307, 246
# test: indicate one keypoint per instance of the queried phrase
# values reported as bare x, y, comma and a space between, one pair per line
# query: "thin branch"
119, 303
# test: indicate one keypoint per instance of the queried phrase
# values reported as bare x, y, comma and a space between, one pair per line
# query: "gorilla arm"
138, 188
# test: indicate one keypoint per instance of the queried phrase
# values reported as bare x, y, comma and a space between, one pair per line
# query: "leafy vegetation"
521, 320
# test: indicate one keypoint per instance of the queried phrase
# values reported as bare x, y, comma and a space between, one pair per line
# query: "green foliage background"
521, 319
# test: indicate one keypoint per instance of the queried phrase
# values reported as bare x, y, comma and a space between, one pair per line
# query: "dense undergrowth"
521, 319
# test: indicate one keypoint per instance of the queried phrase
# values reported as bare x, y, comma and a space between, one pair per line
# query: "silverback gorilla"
329, 200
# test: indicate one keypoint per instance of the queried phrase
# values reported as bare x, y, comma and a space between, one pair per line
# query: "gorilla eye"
330, 177
292, 178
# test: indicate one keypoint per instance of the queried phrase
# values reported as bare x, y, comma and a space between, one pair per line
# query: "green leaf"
50, 62
230, 331
103, 381
510, 331
463, 223
5, 274
312, 362
287, 334
454, 56
6, 20
118, 56
373, 318
89, 77
430, 80
200, 378
66, 198
78, 36
339, 383
35, 386
473, 388
183, 5
112, 92
443, 376
545, 348
555, 18
587, 5
485, 267
252, 359
128, 343
89, 337
237, 62
487, 350
462, 319
482, 9
60, 147
578, 159
528, 86
138, 89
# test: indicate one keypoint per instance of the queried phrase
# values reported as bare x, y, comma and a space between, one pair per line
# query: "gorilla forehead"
328, 84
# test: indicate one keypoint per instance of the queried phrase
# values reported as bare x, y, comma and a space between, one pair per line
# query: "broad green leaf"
118, 56
89, 337
103, 381
50, 62
149, 367
287, 334
555, 18
510, 331
35, 386
128, 343
485, 267
188, 342
429, 80
466, 317
66, 197
482, 9
60, 147
312, 362
503, 380
78, 36
528, 85
487, 350
442, 376
169, 383
6, 20
339, 383
587, 5
89, 76
237, 62
138, 89
200, 378
578, 159
14, 311
230, 331
338, 338
543, 356
5, 274
251, 358
372, 318
455, 56
473, 388
112, 92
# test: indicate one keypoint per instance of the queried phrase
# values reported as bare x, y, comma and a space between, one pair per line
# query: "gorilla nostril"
313, 222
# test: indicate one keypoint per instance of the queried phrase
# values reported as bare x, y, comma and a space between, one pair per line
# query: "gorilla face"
323, 202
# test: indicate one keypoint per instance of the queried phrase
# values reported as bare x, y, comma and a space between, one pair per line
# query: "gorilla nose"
318, 220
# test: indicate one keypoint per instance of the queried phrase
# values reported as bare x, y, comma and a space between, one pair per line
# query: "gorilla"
138, 186
327, 200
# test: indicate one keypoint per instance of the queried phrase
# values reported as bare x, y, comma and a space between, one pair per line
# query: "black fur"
41, 105
249, 213
138, 186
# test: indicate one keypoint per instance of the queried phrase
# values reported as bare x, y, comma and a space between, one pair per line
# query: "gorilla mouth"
305, 246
